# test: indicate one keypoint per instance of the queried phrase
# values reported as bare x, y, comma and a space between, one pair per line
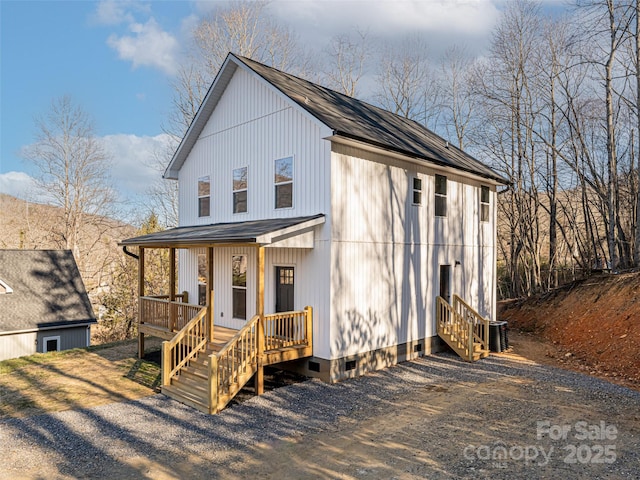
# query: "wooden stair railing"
210, 382
233, 366
462, 328
480, 324
185, 346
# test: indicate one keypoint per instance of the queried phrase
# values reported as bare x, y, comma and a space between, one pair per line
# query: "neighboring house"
294, 195
43, 303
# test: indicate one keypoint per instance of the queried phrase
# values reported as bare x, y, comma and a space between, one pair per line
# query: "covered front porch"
204, 361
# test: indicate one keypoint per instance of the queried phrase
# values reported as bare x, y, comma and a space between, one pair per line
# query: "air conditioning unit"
498, 340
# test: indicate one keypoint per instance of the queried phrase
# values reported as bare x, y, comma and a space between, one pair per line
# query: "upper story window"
484, 204
240, 190
417, 190
283, 181
441, 196
239, 285
204, 196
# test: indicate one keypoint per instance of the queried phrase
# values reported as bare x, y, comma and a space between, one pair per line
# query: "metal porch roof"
261, 232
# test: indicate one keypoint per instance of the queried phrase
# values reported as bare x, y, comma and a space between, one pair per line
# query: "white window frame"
483, 204
288, 182
206, 178
240, 190
416, 190
442, 196
48, 339
239, 287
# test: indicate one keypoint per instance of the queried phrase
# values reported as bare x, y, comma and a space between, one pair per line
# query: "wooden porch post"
210, 294
172, 288
259, 380
140, 295
172, 274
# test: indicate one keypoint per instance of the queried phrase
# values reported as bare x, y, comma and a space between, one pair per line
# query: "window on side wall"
283, 180
417, 191
240, 190
239, 286
441, 196
484, 204
204, 197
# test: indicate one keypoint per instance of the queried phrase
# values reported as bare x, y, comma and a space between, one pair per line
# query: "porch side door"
445, 282
284, 289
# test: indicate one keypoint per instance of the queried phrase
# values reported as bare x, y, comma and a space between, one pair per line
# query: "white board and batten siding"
386, 251
372, 275
252, 126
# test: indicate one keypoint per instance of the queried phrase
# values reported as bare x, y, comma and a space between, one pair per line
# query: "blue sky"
117, 59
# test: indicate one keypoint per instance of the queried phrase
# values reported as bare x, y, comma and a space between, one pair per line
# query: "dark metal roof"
47, 291
357, 120
347, 117
253, 231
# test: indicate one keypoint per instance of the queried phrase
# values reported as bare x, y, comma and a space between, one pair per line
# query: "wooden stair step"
186, 398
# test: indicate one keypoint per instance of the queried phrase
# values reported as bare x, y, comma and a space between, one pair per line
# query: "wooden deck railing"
480, 325
287, 329
160, 312
185, 346
234, 365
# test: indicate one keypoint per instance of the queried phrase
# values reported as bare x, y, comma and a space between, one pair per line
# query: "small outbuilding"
44, 305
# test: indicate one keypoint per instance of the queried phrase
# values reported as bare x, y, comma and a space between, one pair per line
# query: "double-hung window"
283, 181
417, 191
484, 204
441, 196
204, 197
240, 190
239, 286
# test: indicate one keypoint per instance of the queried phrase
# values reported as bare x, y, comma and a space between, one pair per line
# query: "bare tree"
458, 100
73, 170
242, 27
406, 85
348, 55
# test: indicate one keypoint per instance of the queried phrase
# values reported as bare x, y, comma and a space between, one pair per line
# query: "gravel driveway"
435, 417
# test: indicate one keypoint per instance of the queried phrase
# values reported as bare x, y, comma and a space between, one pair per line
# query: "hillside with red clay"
592, 325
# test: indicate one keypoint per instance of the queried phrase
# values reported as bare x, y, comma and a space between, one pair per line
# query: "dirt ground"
72, 379
419, 432
591, 326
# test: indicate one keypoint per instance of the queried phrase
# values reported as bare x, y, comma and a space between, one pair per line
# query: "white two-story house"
339, 205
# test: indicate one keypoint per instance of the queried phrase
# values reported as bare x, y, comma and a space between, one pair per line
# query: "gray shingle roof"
253, 231
352, 118
47, 290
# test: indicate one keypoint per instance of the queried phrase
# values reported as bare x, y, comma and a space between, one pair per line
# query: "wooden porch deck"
205, 365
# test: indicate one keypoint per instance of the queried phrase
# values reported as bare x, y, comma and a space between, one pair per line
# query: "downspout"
133, 255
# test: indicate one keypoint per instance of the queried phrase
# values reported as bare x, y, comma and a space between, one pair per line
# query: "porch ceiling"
260, 232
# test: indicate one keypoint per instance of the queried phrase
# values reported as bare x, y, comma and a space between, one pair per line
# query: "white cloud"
18, 184
148, 46
136, 161
439, 22
116, 12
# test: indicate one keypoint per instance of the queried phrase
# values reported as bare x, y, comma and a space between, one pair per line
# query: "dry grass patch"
73, 379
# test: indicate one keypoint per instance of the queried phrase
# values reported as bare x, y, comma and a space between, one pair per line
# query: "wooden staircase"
206, 372
462, 328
